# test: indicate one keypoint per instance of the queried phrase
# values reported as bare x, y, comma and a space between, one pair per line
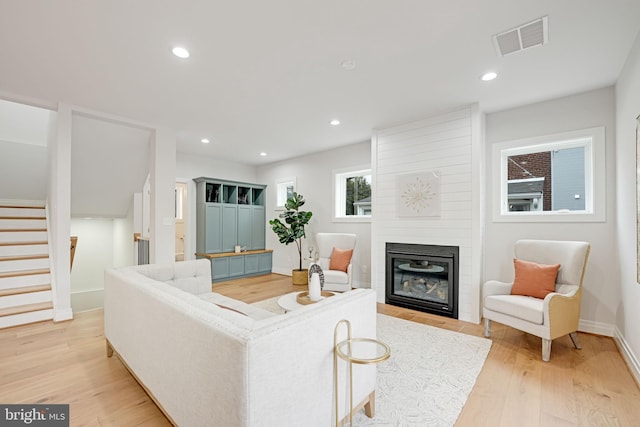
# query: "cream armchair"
558, 313
335, 280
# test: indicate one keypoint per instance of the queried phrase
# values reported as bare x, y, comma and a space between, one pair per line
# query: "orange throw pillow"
534, 280
340, 259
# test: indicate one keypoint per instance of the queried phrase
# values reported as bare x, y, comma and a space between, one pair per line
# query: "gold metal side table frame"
351, 359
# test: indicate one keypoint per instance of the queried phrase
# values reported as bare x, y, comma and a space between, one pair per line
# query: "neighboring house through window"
352, 191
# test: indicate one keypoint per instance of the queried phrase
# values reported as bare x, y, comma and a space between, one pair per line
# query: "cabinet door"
236, 266
219, 268
244, 226
258, 226
212, 227
250, 264
229, 227
264, 262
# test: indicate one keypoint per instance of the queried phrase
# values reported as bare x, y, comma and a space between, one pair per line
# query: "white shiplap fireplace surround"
450, 144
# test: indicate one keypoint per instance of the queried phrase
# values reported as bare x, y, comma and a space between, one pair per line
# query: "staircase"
25, 280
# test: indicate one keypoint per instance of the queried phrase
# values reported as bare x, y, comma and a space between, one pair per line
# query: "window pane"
358, 195
547, 180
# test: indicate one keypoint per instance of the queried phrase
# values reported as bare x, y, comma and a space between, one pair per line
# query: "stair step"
44, 242
22, 264
22, 212
24, 273
22, 223
22, 230
7, 206
23, 257
24, 290
24, 281
27, 308
26, 318
23, 250
22, 236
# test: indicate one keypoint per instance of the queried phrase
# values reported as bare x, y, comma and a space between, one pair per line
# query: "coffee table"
289, 302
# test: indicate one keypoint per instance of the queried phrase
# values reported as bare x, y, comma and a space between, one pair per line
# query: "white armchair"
335, 280
558, 313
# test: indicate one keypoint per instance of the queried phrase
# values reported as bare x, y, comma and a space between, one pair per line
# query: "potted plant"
292, 230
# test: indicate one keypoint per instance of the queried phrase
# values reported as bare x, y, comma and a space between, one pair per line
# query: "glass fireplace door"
425, 280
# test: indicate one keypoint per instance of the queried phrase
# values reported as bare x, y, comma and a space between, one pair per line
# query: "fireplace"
423, 277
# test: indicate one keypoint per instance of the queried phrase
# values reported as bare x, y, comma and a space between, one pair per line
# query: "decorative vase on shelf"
314, 287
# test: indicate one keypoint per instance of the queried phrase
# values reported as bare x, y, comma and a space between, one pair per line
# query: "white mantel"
451, 144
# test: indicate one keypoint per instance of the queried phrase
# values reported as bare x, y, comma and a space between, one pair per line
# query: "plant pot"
300, 277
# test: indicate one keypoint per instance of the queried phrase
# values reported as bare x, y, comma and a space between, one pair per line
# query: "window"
553, 178
284, 190
352, 190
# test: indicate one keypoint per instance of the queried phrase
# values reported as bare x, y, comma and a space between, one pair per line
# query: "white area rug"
428, 377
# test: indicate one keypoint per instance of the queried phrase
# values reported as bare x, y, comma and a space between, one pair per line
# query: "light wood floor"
66, 363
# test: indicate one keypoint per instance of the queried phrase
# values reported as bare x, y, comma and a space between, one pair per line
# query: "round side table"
362, 351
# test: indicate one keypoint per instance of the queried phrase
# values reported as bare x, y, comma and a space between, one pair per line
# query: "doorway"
180, 203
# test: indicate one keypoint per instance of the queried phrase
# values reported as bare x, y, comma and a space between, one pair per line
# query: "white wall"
94, 253
449, 143
189, 167
601, 295
23, 171
102, 243
626, 311
314, 180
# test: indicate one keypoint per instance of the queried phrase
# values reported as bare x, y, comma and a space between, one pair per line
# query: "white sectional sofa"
206, 364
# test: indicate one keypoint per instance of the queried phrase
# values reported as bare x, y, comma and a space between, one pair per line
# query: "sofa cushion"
532, 279
340, 259
521, 307
231, 304
335, 276
192, 276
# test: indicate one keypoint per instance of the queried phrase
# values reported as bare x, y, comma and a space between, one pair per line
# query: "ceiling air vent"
523, 37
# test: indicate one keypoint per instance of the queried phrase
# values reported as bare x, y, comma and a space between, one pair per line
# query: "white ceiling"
266, 76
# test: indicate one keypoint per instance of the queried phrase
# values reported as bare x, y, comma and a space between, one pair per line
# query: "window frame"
281, 191
593, 140
339, 196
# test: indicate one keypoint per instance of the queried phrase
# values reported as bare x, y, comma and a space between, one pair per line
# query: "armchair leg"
487, 327
546, 349
575, 340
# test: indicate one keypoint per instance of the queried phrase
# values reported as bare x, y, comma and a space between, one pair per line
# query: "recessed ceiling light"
348, 64
334, 122
205, 140
489, 76
263, 154
180, 52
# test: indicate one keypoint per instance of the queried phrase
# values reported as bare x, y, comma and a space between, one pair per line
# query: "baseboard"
283, 271
596, 328
628, 355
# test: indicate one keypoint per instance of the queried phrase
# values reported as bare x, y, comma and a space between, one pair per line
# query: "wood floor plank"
66, 363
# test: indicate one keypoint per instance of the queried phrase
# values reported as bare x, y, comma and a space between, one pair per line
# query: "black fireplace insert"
423, 277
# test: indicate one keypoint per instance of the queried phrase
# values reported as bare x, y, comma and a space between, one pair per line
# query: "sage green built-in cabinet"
231, 213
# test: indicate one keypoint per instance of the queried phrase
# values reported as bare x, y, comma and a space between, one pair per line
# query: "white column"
59, 210
163, 181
